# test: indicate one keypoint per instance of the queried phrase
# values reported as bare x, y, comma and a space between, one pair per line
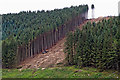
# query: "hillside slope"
55, 55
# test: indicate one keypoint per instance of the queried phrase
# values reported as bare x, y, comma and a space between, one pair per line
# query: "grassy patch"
59, 72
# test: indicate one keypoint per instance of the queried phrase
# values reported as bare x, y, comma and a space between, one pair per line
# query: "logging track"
55, 55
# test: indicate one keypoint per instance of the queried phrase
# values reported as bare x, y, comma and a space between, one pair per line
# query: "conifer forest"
60, 43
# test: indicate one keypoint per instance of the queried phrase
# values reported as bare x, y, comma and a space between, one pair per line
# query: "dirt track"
54, 56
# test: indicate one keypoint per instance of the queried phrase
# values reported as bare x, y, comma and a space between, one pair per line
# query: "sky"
102, 7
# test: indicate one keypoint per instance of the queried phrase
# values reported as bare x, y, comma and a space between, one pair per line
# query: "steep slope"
55, 55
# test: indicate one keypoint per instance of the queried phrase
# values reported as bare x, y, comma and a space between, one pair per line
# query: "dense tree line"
96, 45
26, 26
28, 33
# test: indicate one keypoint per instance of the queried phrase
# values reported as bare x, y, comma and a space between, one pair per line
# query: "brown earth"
55, 55
96, 20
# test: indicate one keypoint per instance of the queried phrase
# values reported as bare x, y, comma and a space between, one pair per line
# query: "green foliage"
97, 45
69, 48
9, 52
59, 72
27, 25
20, 29
118, 42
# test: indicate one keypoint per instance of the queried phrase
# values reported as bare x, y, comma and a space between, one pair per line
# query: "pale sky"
102, 7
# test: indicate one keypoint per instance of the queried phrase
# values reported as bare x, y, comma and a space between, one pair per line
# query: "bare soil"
55, 55
96, 20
